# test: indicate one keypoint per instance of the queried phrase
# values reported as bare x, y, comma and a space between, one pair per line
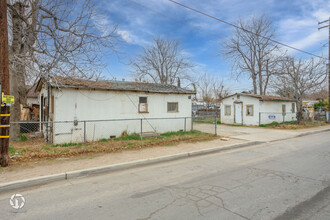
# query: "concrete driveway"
255, 133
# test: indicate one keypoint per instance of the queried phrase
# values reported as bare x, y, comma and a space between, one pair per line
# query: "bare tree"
302, 76
163, 62
211, 89
320, 94
219, 90
54, 37
252, 52
285, 90
205, 85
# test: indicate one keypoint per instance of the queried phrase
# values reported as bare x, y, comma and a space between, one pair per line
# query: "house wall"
265, 111
246, 100
79, 104
272, 111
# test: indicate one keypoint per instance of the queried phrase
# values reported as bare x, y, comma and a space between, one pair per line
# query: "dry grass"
37, 150
294, 125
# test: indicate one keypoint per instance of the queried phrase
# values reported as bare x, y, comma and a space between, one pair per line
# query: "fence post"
215, 125
192, 123
141, 131
47, 135
84, 135
220, 115
185, 119
259, 118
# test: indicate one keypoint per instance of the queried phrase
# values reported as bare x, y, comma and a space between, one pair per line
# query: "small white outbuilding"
251, 109
110, 108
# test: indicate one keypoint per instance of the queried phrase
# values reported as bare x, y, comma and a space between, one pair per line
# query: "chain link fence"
59, 132
314, 116
213, 119
271, 117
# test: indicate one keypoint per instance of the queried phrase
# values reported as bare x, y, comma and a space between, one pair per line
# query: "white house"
77, 100
250, 109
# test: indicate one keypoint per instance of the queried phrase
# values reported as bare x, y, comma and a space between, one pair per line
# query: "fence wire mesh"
59, 132
314, 116
271, 117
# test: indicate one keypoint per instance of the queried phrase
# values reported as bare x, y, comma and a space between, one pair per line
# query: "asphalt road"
287, 179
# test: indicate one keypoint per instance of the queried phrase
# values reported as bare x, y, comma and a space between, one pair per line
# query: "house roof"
265, 97
65, 82
32, 93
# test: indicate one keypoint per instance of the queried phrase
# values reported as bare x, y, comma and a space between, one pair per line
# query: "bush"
321, 105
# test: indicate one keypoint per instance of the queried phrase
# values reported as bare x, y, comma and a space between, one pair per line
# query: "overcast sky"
139, 21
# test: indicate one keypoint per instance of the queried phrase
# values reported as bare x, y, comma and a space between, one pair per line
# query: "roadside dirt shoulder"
60, 165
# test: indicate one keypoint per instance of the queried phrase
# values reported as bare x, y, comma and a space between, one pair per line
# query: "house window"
172, 107
293, 108
143, 104
227, 110
249, 110
283, 109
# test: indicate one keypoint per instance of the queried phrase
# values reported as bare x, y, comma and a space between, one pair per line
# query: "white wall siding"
272, 111
77, 104
247, 120
227, 119
264, 112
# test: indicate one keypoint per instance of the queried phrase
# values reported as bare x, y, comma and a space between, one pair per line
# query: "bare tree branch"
54, 38
298, 77
163, 62
253, 55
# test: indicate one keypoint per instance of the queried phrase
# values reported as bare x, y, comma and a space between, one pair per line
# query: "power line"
157, 12
233, 25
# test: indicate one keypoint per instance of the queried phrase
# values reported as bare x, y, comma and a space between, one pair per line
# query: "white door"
238, 113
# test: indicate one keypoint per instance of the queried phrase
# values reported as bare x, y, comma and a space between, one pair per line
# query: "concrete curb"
313, 132
122, 166
31, 182
114, 167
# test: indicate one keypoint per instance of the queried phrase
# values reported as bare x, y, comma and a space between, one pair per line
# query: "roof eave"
278, 100
122, 90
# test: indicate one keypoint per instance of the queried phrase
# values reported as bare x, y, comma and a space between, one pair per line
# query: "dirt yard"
29, 150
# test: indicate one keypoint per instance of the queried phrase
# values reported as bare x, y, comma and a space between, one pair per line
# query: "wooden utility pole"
327, 26
4, 72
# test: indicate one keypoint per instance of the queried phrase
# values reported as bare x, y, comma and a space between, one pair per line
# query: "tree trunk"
299, 111
17, 71
260, 78
254, 81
